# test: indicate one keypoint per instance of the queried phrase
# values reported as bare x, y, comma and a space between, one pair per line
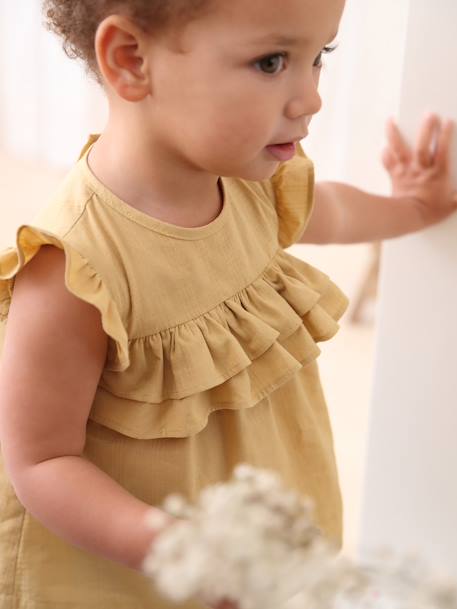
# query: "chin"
259, 174
255, 172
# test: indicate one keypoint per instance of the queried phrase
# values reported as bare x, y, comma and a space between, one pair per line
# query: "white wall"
411, 486
48, 106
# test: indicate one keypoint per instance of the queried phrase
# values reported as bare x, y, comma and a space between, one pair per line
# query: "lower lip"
282, 152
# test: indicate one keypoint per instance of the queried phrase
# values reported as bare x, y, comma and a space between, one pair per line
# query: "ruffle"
229, 358
293, 185
80, 279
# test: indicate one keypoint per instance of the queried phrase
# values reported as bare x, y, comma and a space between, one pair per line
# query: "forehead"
256, 21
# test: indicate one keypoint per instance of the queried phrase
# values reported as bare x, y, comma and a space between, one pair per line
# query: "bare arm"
422, 192
53, 356
345, 214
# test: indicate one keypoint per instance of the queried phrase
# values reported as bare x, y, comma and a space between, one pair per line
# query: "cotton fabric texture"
213, 336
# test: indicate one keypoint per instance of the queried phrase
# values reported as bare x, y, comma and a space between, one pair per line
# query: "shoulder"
49, 276
67, 205
40, 292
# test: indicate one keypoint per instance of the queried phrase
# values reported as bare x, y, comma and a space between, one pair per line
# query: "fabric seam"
236, 294
126, 214
83, 211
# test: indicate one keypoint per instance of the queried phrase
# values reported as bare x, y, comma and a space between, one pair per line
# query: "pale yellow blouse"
212, 353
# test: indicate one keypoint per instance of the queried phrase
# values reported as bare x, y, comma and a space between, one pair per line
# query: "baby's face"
237, 89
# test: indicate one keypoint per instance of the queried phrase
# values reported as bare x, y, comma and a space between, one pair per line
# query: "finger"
389, 160
398, 144
428, 133
443, 146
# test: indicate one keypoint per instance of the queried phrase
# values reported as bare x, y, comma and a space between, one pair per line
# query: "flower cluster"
252, 541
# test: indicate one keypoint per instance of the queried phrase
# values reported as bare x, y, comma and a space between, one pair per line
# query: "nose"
306, 101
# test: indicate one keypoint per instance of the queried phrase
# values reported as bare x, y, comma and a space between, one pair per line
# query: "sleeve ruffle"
229, 358
80, 279
293, 185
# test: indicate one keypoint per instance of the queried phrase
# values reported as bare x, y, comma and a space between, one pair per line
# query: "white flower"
254, 541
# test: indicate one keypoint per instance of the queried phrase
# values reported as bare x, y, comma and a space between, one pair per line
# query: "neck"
148, 176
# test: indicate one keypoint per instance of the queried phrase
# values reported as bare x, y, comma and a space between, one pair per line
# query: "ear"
120, 48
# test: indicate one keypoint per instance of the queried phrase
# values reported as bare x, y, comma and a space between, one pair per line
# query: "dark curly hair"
76, 21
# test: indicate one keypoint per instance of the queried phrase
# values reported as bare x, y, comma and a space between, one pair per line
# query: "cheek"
228, 112
235, 136
239, 121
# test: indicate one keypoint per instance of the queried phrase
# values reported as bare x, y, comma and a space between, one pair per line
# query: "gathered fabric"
213, 336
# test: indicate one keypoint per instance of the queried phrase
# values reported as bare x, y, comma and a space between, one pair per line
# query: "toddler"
154, 331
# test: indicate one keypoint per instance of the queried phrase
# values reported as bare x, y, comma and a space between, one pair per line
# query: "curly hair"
76, 21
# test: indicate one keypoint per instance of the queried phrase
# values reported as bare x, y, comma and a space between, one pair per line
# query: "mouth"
282, 152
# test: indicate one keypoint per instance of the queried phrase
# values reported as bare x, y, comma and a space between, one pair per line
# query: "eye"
318, 63
271, 64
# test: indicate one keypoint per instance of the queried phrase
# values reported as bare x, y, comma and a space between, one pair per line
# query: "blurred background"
48, 106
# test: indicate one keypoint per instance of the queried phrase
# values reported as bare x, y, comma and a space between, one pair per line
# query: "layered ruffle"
229, 358
169, 383
80, 279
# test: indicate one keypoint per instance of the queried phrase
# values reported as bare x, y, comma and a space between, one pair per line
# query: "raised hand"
423, 173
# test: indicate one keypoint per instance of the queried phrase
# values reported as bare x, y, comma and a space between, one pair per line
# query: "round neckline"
171, 230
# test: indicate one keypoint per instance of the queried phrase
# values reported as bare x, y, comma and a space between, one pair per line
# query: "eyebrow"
282, 40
